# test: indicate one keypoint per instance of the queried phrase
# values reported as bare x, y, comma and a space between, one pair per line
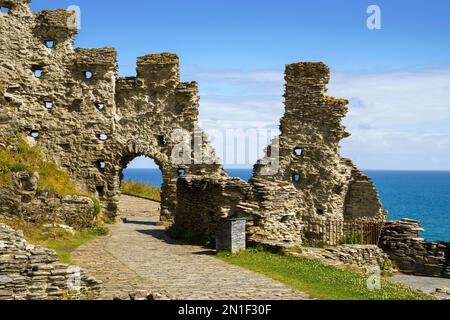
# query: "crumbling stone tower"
303, 189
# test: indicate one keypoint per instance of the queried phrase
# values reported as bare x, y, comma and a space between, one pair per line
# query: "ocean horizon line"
251, 168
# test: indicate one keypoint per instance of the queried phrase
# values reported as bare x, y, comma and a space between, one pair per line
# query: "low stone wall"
23, 200
360, 255
277, 216
29, 272
204, 204
412, 254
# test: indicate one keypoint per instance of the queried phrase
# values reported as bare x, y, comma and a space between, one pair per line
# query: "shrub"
353, 238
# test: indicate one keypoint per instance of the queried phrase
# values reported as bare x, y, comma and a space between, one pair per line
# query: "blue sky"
397, 78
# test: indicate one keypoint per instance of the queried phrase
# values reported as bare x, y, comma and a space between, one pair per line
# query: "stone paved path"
424, 284
139, 255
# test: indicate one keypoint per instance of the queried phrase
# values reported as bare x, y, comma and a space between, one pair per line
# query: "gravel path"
139, 255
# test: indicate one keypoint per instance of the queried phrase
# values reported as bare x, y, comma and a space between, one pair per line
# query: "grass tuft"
27, 158
63, 242
141, 190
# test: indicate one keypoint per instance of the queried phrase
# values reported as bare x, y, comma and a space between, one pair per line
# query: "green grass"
30, 159
66, 245
353, 238
57, 239
27, 158
141, 190
317, 279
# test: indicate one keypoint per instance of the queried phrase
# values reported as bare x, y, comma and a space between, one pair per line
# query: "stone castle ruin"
92, 123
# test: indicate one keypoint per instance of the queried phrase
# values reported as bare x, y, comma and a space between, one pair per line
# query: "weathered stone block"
231, 236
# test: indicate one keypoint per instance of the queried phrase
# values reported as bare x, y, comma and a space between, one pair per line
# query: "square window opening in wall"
100, 106
103, 137
181, 172
162, 140
48, 104
296, 177
101, 165
35, 134
100, 190
5, 10
320, 212
88, 74
298, 152
49, 44
38, 72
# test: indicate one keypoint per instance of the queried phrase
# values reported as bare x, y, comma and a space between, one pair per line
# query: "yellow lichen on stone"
310, 69
335, 102
67, 13
160, 58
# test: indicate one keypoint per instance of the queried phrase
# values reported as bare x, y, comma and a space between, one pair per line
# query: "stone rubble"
147, 295
442, 293
67, 229
25, 201
412, 254
29, 272
359, 256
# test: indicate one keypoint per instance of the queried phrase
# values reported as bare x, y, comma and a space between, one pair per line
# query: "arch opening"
141, 183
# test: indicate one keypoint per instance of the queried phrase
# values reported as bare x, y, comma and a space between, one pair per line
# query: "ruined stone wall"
29, 272
303, 183
93, 123
308, 147
362, 199
204, 202
412, 254
86, 119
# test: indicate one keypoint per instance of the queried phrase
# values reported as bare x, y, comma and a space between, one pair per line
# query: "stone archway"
169, 180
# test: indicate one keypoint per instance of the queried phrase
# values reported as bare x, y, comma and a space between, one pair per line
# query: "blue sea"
422, 195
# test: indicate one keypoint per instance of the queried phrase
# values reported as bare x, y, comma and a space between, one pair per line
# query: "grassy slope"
317, 279
51, 178
141, 190
55, 238
30, 159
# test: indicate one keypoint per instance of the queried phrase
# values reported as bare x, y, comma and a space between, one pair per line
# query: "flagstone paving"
139, 255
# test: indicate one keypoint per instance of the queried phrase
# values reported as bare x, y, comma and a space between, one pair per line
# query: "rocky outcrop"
412, 254
25, 201
29, 272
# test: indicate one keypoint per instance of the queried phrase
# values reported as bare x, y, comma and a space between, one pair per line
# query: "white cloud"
398, 120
